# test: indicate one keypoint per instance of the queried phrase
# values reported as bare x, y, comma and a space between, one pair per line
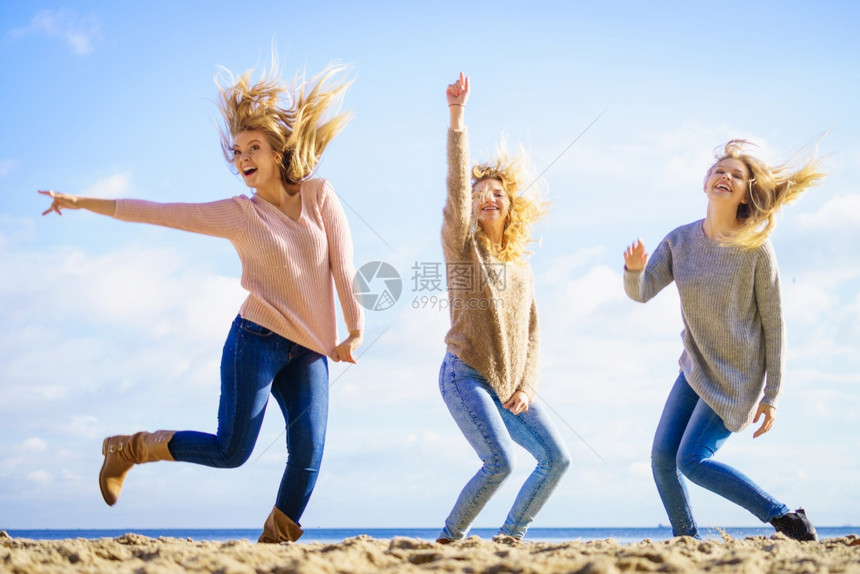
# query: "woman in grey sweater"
730, 376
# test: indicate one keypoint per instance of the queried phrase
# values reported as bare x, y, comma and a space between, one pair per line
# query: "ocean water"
334, 535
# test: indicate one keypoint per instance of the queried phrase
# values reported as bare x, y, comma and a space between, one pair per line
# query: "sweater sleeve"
532, 355
223, 218
769, 301
643, 285
340, 254
457, 213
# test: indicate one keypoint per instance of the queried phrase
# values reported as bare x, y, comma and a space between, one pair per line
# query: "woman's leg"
535, 432
301, 390
471, 402
705, 434
252, 357
664, 453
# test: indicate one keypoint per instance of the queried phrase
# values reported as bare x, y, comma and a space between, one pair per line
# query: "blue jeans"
256, 362
688, 435
492, 431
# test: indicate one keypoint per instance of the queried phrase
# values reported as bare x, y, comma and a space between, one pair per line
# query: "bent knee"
498, 467
563, 461
233, 457
690, 463
662, 459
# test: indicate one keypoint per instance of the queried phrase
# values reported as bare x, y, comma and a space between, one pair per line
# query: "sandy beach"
133, 553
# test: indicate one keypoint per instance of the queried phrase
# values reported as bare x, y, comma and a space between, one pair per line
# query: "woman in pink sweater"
294, 244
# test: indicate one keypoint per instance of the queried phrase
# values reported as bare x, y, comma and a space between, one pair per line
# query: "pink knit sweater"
290, 269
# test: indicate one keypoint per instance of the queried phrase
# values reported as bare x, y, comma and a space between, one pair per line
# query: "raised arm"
635, 257
646, 276
67, 201
458, 205
457, 94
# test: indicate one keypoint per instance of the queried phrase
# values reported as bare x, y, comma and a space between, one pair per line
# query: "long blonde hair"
526, 205
770, 187
298, 131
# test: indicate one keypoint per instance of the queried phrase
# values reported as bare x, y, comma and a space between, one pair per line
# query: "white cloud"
111, 187
30, 446
79, 32
839, 212
40, 477
6, 167
14, 230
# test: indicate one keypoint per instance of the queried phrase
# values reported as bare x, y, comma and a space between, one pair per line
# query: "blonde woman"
731, 367
489, 375
294, 244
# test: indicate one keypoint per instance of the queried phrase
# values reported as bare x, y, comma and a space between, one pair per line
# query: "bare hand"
518, 403
344, 351
61, 201
769, 413
635, 257
458, 92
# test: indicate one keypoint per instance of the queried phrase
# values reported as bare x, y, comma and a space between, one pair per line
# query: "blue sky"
108, 327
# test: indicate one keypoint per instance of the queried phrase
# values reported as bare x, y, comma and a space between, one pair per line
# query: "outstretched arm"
457, 94
67, 201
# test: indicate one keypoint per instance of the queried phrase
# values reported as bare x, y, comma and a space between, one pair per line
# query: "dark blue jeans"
255, 363
687, 437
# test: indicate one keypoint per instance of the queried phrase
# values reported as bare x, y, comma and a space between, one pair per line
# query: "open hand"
635, 257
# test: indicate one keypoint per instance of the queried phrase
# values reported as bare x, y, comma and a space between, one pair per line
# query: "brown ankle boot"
279, 528
123, 452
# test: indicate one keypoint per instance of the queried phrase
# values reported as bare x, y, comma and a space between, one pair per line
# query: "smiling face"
254, 158
490, 203
728, 180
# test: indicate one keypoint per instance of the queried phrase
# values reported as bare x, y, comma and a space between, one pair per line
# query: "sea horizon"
335, 535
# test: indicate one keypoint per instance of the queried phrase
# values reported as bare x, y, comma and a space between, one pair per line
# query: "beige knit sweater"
494, 325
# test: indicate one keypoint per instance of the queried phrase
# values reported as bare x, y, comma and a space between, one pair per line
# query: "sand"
133, 553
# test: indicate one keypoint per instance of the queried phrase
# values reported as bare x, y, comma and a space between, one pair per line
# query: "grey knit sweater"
730, 305
494, 326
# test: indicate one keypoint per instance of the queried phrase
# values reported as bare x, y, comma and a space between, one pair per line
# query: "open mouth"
249, 171
724, 187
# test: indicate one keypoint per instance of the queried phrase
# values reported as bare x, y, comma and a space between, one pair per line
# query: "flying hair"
299, 119
527, 205
770, 188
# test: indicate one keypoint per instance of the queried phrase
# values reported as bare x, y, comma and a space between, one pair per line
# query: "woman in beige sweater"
489, 374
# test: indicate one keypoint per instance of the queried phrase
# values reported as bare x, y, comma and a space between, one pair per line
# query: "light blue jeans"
688, 435
492, 431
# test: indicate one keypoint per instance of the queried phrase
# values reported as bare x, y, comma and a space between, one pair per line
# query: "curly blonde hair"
769, 188
526, 205
300, 130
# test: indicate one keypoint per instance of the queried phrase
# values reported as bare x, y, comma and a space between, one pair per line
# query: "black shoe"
796, 525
